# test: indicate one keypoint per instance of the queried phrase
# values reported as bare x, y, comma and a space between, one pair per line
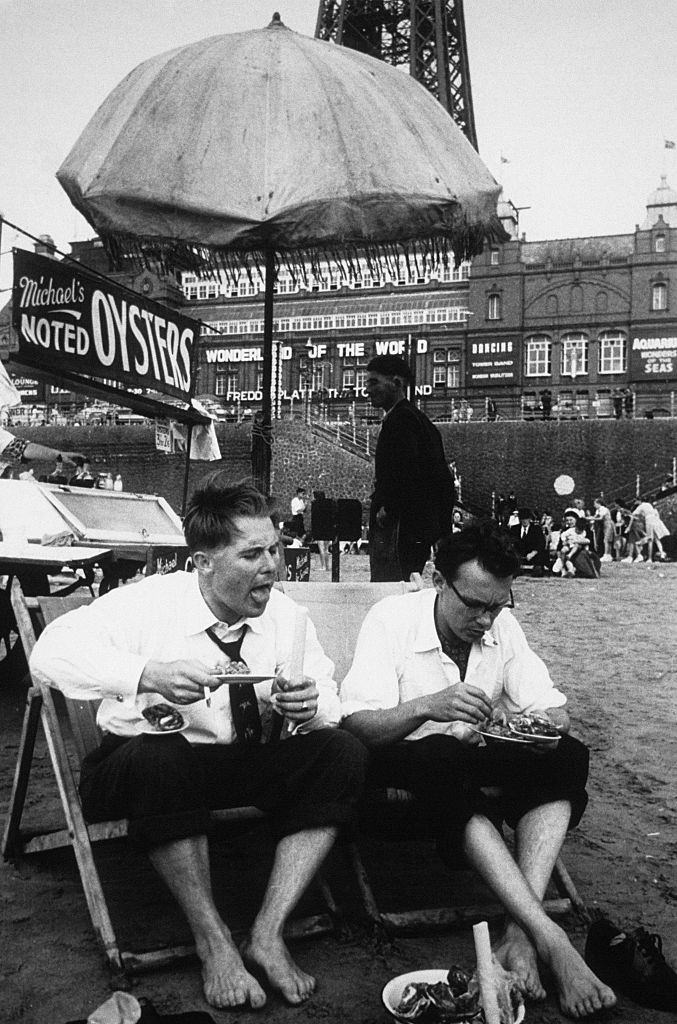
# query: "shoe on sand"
628, 560
632, 963
606, 558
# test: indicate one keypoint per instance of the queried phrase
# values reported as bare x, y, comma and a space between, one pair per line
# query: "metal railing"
349, 437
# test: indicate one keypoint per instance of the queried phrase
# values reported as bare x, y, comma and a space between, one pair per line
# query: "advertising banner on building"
492, 362
69, 320
653, 356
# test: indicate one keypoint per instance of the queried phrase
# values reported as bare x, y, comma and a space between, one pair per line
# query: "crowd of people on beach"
628, 532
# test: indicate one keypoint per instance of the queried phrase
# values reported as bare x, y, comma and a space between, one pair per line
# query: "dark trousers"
394, 554
447, 778
166, 786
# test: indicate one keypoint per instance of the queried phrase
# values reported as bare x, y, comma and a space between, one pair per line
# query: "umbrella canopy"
268, 139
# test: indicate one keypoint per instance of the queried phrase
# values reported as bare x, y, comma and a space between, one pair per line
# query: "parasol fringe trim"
132, 253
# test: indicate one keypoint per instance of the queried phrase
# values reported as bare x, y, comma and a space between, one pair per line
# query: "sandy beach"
611, 644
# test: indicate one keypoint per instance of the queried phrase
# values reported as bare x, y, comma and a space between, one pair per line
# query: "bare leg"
184, 867
538, 840
580, 992
297, 858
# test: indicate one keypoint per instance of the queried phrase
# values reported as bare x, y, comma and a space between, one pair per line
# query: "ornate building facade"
590, 323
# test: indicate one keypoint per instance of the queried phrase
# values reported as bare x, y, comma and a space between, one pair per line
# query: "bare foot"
226, 981
515, 952
269, 954
580, 992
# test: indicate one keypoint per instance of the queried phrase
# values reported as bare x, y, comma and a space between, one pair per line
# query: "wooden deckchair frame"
323, 601
30, 614
337, 611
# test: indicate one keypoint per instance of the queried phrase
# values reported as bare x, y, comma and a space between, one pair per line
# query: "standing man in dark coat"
413, 498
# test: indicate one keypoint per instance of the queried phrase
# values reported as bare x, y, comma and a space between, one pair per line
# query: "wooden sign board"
297, 564
116, 517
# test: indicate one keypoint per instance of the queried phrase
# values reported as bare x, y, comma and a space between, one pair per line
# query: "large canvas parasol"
267, 146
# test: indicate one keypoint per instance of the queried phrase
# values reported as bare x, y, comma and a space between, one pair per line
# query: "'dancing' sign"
68, 320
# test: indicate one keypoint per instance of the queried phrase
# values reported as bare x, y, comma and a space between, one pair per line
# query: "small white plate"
541, 741
392, 992
236, 678
149, 730
494, 737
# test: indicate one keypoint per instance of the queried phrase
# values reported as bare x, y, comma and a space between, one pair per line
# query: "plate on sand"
392, 993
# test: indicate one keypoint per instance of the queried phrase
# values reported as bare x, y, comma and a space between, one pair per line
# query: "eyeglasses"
480, 609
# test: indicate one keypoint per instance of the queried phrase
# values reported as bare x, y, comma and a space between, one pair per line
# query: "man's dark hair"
482, 539
390, 366
214, 505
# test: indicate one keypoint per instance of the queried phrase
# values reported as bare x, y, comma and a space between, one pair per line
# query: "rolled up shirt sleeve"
77, 655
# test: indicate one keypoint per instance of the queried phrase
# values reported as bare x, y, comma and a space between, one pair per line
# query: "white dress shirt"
100, 650
398, 657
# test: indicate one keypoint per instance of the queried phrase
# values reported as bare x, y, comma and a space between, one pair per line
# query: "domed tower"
661, 203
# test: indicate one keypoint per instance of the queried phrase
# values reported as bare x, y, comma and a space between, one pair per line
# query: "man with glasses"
431, 669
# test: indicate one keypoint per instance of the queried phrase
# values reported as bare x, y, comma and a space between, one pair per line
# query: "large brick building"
582, 318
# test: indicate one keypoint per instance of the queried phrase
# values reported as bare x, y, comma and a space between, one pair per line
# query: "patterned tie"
244, 706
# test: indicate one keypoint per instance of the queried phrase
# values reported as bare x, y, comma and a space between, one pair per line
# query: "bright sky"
578, 96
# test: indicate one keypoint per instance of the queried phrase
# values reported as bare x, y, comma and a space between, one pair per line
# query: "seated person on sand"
573, 551
160, 640
433, 667
529, 541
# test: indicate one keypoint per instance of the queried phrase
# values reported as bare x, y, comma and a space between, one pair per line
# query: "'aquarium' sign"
653, 356
68, 320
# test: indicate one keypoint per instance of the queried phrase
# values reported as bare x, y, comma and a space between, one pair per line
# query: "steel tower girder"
428, 35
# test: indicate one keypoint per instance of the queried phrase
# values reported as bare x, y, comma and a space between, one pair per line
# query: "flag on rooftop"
669, 144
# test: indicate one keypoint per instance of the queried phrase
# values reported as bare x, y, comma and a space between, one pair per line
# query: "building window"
659, 243
348, 380
226, 384
453, 375
659, 296
440, 355
494, 257
494, 307
574, 358
361, 380
439, 376
612, 352
538, 356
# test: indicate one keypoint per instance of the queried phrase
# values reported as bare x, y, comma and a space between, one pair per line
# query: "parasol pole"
186, 471
265, 440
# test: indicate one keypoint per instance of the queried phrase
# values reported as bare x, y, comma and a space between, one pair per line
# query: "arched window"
494, 258
659, 296
574, 358
659, 243
537, 356
601, 302
494, 307
576, 298
613, 351
552, 305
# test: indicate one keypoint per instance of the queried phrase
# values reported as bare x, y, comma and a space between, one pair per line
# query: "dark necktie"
244, 706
